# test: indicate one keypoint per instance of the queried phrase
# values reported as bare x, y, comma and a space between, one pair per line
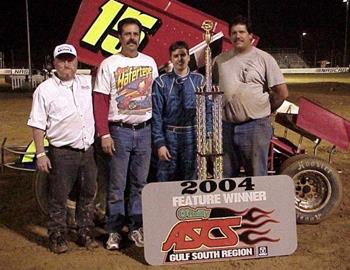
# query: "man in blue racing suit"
174, 117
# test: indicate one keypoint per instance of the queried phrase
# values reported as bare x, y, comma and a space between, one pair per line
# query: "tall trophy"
209, 144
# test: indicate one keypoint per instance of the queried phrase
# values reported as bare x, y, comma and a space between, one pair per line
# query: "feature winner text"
206, 199
211, 254
226, 186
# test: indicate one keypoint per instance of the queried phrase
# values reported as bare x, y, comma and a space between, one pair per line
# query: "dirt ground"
23, 237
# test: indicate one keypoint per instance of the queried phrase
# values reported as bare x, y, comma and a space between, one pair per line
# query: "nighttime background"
278, 23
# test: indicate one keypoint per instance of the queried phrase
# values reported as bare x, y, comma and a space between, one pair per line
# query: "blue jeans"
182, 148
246, 145
129, 164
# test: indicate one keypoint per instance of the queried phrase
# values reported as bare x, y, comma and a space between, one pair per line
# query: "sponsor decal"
102, 33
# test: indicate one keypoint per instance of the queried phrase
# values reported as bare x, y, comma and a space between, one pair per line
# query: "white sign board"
217, 220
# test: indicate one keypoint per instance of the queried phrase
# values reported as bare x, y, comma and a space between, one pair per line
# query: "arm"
43, 163
101, 106
277, 95
276, 82
157, 121
38, 122
101, 103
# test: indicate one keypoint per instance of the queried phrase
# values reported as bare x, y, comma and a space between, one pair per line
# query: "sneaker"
57, 243
86, 240
137, 237
113, 241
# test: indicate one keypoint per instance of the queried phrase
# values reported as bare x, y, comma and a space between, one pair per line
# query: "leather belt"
251, 120
179, 128
69, 148
131, 126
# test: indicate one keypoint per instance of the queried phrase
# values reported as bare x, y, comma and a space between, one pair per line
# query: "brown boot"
87, 240
57, 243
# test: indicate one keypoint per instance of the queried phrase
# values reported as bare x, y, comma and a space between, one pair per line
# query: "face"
130, 37
240, 37
180, 59
66, 66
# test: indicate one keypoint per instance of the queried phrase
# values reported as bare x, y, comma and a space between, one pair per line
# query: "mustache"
131, 41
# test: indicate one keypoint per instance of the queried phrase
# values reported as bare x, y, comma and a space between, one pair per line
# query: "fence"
20, 77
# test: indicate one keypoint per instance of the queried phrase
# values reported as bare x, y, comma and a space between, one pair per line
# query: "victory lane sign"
215, 220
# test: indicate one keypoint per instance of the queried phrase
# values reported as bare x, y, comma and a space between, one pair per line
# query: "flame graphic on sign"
252, 218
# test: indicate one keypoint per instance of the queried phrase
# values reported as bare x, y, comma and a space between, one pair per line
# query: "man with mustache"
253, 87
174, 117
62, 111
123, 111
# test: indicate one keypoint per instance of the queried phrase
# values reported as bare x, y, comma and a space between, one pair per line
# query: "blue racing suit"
174, 123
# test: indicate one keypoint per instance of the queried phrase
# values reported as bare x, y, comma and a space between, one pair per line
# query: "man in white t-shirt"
62, 111
253, 87
123, 111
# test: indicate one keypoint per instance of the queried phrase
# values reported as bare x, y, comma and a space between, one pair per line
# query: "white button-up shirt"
64, 111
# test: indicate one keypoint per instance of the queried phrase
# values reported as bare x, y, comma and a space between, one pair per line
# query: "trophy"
209, 144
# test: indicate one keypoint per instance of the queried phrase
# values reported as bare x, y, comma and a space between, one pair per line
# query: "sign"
5, 71
20, 71
315, 70
217, 220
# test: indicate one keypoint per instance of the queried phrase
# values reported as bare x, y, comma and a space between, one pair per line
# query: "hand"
107, 145
43, 164
164, 154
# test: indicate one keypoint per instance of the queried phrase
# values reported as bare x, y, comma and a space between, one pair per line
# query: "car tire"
318, 188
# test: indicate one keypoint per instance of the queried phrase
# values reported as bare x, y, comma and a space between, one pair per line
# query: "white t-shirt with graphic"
128, 81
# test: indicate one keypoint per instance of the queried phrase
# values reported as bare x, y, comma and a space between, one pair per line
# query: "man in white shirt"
62, 111
123, 111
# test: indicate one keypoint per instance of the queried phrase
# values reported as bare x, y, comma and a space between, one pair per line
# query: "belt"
179, 128
69, 148
131, 126
247, 121
253, 120
244, 122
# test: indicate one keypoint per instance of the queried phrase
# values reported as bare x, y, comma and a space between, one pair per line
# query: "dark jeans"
182, 148
246, 145
70, 168
130, 161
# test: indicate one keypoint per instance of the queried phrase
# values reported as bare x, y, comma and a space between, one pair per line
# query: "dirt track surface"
23, 236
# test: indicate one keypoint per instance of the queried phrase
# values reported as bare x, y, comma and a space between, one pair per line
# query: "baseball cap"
64, 48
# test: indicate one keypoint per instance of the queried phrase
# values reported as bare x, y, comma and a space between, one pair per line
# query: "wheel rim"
312, 190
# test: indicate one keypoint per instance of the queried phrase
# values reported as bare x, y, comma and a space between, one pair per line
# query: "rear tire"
318, 188
41, 191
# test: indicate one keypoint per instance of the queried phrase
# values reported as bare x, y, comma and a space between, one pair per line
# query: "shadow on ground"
20, 213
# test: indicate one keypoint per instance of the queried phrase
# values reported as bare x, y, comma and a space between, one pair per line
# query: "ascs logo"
193, 234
